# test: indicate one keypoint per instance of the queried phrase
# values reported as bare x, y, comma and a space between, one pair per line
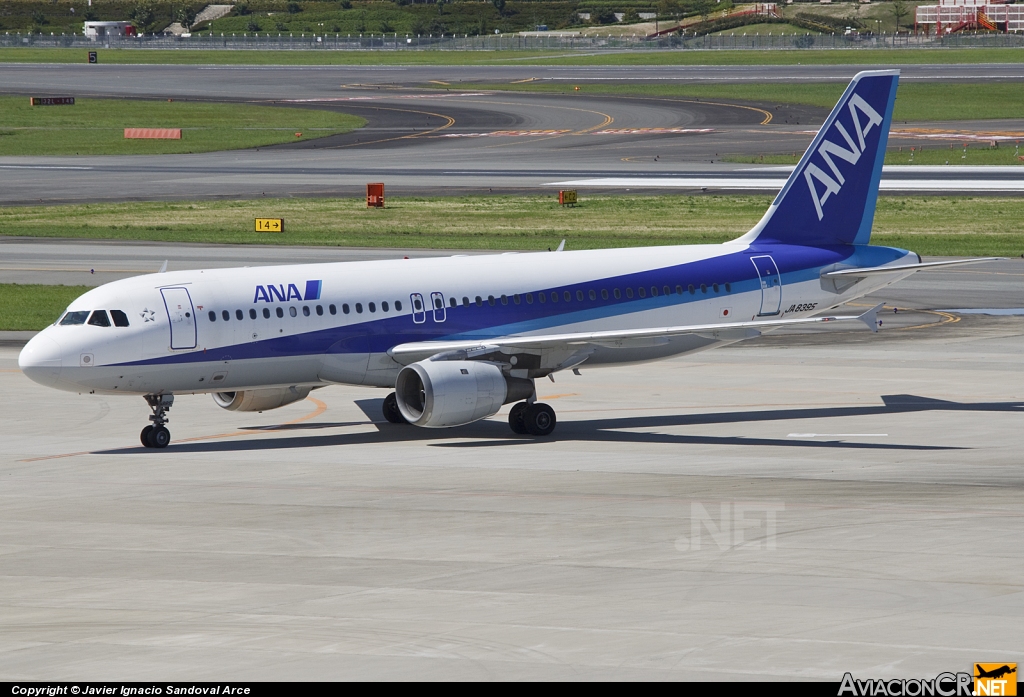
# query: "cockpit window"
75, 317
119, 317
99, 319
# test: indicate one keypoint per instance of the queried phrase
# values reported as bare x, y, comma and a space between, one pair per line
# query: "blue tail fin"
830, 197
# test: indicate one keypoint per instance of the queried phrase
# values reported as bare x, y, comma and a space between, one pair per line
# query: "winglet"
561, 246
163, 268
870, 318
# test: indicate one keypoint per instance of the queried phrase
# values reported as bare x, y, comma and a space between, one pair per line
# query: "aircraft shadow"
492, 433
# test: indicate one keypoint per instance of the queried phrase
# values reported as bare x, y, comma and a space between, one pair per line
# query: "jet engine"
259, 400
436, 393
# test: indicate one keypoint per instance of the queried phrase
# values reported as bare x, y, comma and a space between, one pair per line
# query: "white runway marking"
959, 185
39, 167
837, 435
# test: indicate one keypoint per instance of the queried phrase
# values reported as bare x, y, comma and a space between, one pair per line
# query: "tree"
499, 5
703, 8
669, 8
185, 16
144, 16
899, 11
630, 16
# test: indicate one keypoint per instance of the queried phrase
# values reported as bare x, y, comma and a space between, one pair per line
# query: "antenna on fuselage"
163, 267
561, 246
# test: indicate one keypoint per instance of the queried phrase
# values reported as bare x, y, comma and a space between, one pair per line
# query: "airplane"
456, 338
996, 673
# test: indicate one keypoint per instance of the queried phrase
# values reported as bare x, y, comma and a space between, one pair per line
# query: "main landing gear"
391, 410
536, 419
157, 435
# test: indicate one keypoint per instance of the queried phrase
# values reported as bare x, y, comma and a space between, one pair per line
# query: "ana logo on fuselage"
828, 149
282, 293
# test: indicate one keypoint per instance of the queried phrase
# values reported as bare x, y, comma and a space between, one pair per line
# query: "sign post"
92, 57
51, 101
375, 195
269, 224
567, 197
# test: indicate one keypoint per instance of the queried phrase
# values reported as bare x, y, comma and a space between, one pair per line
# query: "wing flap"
876, 270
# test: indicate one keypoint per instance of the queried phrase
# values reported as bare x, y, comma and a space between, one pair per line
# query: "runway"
772, 510
425, 138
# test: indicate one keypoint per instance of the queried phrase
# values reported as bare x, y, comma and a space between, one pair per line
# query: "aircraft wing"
412, 352
872, 271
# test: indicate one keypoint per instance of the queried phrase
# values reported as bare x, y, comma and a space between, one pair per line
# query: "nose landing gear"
157, 435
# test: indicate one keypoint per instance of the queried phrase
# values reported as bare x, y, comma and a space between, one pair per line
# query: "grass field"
932, 154
928, 225
914, 101
665, 57
32, 307
96, 126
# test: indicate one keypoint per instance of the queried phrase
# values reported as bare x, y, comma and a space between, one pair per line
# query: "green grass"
926, 224
914, 101
96, 126
930, 154
667, 57
33, 307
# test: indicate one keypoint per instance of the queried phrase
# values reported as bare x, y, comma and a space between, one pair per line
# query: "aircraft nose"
40, 360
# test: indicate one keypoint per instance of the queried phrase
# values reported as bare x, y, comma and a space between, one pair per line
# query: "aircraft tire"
539, 419
144, 437
516, 418
159, 437
391, 410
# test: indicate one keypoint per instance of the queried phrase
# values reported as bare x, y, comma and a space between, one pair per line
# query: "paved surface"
870, 487
429, 141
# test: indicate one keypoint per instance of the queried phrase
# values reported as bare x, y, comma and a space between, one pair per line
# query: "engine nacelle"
440, 393
260, 400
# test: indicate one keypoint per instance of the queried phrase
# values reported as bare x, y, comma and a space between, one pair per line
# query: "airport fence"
514, 42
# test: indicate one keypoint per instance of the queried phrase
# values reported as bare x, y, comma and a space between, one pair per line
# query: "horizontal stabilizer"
876, 270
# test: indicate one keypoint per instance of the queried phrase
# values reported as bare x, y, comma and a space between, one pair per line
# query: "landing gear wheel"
539, 419
144, 437
516, 418
159, 437
391, 411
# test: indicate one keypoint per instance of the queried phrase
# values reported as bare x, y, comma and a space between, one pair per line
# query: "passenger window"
579, 295
654, 291
592, 294
292, 311
75, 318
252, 313
452, 302
617, 294
99, 319
516, 299
119, 317
691, 289
438, 304
384, 306
567, 296
715, 287
239, 315
604, 294
359, 308
213, 316
504, 300
305, 310
320, 310
490, 300
679, 290
703, 288
333, 309
372, 307
728, 287
415, 303
344, 308
554, 296
543, 297
266, 313
280, 312
465, 301
398, 305
226, 315
666, 290
629, 292
641, 292
529, 298
479, 301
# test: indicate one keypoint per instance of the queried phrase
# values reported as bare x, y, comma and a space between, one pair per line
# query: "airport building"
951, 16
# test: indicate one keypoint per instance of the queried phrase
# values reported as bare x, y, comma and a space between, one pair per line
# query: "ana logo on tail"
858, 108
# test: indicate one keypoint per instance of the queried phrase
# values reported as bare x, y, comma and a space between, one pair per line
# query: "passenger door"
182, 317
419, 313
771, 285
437, 300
